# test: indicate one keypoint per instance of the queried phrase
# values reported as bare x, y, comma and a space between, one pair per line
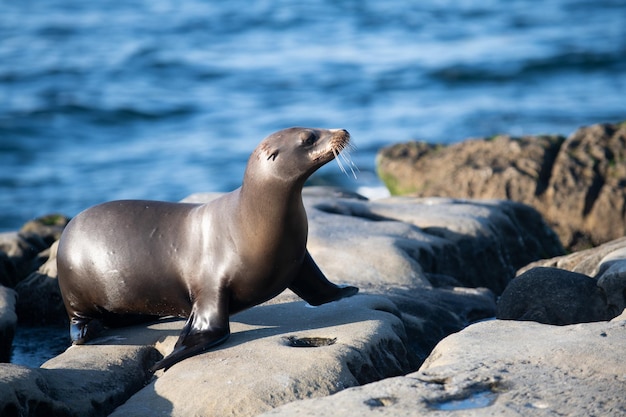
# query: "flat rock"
257, 369
81, 382
576, 183
499, 368
425, 242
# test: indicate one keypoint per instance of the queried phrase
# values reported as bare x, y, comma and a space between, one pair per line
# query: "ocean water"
159, 98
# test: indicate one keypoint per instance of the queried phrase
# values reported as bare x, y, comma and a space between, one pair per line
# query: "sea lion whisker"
339, 161
348, 160
344, 153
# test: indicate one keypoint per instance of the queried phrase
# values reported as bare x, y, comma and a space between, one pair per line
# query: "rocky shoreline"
421, 338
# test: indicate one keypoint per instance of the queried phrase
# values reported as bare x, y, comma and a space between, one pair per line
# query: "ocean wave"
556, 65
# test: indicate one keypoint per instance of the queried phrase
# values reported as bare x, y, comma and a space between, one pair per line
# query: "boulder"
498, 368
589, 285
576, 183
8, 322
556, 296
40, 300
48, 227
19, 256
20, 251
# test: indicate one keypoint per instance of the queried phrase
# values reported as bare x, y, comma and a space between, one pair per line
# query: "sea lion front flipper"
313, 287
201, 332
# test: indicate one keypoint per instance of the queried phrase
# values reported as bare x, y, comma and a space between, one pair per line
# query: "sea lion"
124, 260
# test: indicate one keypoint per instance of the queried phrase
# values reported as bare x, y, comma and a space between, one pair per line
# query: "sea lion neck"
276, 199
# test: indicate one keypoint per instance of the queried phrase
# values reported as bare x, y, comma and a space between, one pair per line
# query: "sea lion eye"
308, 138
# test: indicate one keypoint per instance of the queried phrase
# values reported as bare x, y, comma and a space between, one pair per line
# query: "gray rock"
612, 280
8, 322
257, 369
588, 262
93, 380
19, 256
605, 263
556, 296
40, 300
20, 251
498, 368
427, 268
414, 242
26, 392
81, 382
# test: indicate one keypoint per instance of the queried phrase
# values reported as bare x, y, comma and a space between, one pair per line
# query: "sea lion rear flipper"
194, 339
84, 329
313, 287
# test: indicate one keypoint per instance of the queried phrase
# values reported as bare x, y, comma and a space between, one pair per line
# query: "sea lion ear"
265, 151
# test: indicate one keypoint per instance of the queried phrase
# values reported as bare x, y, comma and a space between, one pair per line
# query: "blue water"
159, 99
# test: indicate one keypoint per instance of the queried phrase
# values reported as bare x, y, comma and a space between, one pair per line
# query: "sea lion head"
294, 154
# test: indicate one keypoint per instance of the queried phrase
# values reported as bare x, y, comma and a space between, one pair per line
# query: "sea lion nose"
342, 132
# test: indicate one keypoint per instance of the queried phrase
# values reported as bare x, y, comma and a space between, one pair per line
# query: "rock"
257, 369
576, 183
48, 228
8, 272
426, 267
425, 242
606, 264
20, 251
26, 392
362, 339
501, 167
81, 382
429, 315
93, 380
8, 322
589, 262
40, 300
612, 280
498, 368
19, 256
556, 296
